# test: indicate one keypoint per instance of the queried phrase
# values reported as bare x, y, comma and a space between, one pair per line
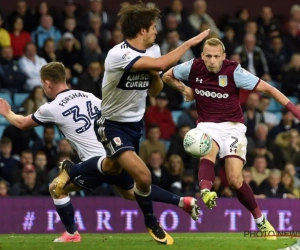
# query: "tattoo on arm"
178, 85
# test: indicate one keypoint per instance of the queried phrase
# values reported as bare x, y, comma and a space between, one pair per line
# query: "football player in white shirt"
73, 112
131, 70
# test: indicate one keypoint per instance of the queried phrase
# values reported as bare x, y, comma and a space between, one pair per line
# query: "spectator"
252, 116
70, 12
66, 149
70, 25
266, 22
176, 147
172, 42
29, 186
290, 168
35, 100
286, 124
4, 35
116, 38
260, 149
247, 176
162, 116
26, 14
229, 41
292, 38
253, 58
21, 139
18, 37
48, 146
251, 28
199, 16
69, 53
12, 79
259, 171
277, 58
170, 23
30, 63
92, 50
40, 162
189, 116
54, 172
288, 183
103, 35
48, 51
188, 185
152, 143
45, 30
291, 77
220, 189
160, 175
239, 22
290, 146
176, 168
96, 9
268, 117
8, 165
3, 188
273, 188
91, 80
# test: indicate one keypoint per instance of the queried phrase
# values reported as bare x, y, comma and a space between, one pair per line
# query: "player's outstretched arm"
156, 84
166, 61
22, 122
170, 80
269, 90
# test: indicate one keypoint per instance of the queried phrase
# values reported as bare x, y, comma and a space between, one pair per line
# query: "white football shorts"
229, 136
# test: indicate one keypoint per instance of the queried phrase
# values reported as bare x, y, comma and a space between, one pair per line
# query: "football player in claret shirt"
215, 84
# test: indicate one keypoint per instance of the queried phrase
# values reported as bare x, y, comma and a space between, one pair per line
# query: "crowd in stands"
263, 44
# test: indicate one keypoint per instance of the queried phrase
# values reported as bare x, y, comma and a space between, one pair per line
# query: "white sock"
259, 220
181, 203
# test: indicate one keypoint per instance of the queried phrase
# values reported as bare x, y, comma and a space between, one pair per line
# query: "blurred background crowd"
264, 44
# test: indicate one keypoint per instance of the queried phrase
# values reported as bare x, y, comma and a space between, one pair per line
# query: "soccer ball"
197, 142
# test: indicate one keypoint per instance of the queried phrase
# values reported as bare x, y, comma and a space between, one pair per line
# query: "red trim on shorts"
217, 144
233, 156
256, 85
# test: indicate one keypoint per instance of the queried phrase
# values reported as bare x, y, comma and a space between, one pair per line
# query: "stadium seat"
175, 116
57, 135
19, 98
279, 115
7, 97
273, 105
40, 131
2, 128
293, 99
186, 105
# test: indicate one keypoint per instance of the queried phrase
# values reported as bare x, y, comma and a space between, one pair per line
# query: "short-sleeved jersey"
73, 112
124, 90
217, 95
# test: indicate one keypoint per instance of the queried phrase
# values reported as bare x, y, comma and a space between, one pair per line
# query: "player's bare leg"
66, 212
244, 193
137, 169
187, 204
206, 176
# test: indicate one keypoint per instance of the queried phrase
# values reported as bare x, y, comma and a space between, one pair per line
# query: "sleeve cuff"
256, 85
129, 65
37, 121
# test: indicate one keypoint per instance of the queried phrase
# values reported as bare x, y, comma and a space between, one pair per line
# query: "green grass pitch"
183, 241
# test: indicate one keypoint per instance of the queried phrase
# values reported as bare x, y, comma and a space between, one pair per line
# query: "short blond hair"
54, 72
214, 42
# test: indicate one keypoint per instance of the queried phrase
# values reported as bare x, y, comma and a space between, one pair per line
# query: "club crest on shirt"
117, 141
223, 81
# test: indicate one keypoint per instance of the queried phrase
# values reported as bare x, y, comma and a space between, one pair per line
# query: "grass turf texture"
183, 241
